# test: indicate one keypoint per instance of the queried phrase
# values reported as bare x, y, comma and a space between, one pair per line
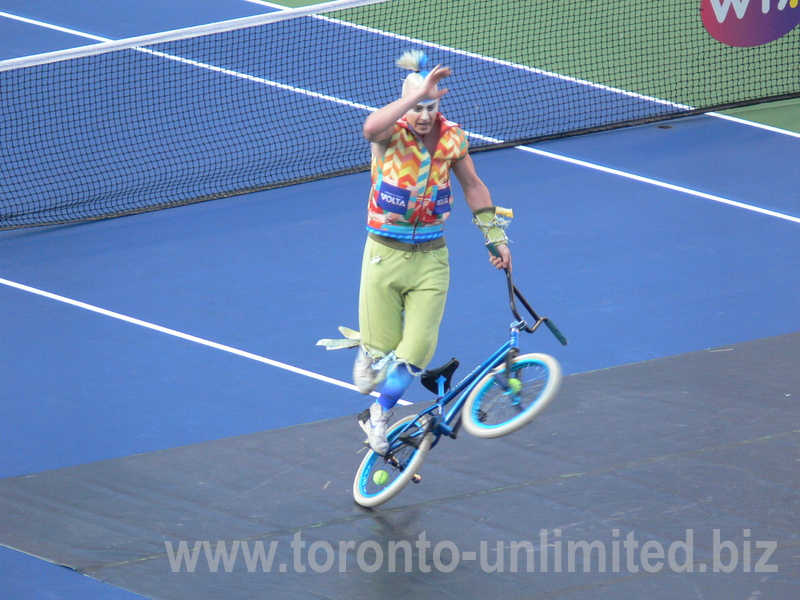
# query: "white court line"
754, 124
269, 4
661, 184
642, 179
55, 27
183, 336
214, 68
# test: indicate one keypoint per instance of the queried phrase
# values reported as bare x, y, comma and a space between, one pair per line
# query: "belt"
405, 246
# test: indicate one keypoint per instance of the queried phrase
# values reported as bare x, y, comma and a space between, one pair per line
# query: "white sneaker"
375, 425
365, 377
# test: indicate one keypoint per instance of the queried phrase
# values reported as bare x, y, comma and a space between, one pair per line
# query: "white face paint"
422, 116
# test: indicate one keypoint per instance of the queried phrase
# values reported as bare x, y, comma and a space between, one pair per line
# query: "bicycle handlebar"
514, 292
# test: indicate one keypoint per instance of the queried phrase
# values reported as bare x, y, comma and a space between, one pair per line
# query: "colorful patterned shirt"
410, 195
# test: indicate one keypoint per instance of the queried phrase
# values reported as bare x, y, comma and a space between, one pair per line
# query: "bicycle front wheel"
379, 478
497, 406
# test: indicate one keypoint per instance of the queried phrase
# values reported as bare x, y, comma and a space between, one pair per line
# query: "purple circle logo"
747, 23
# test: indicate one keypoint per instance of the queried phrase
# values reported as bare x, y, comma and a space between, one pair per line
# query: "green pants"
401, 300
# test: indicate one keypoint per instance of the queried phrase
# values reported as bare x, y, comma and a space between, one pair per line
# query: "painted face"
422, 116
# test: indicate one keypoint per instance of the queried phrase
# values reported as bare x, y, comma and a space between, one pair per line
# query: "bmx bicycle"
500, 396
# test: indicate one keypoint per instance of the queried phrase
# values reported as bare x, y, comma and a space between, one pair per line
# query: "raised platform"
673, 478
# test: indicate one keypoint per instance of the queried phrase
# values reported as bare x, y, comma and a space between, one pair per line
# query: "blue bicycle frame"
440, 423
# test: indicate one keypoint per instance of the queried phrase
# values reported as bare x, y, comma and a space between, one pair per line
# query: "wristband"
492, 221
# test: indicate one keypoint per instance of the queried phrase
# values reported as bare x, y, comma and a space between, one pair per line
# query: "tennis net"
246, 105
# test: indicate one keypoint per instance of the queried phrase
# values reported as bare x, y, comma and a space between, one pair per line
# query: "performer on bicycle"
405, 271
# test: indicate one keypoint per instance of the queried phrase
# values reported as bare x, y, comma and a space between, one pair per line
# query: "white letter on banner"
721, 8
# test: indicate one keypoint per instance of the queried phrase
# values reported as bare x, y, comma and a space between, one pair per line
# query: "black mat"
692, 459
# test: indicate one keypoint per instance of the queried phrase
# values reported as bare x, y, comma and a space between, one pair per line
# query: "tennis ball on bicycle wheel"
380, 477
514, 385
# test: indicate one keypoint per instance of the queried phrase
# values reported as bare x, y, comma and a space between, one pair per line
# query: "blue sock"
397, 381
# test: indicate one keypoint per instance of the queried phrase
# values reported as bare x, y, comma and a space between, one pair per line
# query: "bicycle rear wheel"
494, 408
400, 465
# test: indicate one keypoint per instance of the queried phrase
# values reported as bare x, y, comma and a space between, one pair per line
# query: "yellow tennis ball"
515, 385
380, 477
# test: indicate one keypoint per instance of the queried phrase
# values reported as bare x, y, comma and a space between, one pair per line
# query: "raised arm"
379, 125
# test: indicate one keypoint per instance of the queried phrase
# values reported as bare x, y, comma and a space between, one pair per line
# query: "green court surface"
560, 54
784, 114
658, 49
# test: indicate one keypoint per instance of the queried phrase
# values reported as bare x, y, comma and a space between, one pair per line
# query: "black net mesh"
273, 104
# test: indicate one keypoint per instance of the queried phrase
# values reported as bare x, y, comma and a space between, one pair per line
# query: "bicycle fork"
502, 377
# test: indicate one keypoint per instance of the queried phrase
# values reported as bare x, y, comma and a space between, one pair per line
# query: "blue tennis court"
161, 381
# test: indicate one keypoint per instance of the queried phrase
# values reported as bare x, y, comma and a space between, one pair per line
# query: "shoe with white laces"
375, 422
365, 377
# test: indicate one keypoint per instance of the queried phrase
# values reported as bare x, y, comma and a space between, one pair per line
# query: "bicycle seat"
430, 377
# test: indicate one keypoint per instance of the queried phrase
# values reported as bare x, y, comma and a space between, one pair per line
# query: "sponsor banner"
748, 23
